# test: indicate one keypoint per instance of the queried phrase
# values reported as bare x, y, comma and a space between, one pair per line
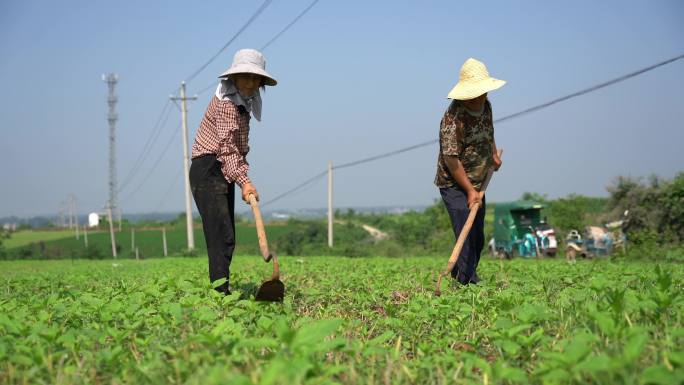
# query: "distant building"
93, 220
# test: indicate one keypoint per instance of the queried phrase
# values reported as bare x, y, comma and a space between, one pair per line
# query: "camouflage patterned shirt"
468, 137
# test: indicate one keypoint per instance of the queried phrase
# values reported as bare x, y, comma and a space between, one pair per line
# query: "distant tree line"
654, 225
655, 219
655, 205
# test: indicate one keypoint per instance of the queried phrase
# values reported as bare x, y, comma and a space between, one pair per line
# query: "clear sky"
356, 78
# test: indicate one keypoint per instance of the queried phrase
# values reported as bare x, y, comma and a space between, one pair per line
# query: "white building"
93, 220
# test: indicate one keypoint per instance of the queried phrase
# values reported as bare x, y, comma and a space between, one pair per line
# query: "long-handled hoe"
272, 290
464, 233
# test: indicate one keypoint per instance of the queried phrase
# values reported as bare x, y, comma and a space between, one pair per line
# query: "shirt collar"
227, 90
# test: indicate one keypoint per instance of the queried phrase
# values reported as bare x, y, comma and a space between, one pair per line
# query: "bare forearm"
458, 173
496, 157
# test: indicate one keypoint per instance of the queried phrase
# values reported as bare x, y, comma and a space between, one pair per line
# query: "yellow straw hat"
474, 81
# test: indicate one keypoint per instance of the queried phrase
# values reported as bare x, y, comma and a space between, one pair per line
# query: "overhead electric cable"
256, 14
273, 39
523, 112
154, 135
154, 166
500, 120
295, 20
168, 190
299, 186
592, 88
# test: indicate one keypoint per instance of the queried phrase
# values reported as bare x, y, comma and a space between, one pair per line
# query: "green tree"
656, 206
672, 202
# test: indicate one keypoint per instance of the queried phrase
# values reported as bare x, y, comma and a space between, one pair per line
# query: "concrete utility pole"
111, 79
111, 231
85, 234
166, 251
330, 204
186, 163
132, 239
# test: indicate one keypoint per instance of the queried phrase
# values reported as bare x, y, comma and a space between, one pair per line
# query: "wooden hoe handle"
261, 233
263, 243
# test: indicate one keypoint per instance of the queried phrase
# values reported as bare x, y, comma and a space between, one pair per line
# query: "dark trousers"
456, 202
215, 200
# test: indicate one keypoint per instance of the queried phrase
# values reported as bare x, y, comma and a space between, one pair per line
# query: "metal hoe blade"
271, 291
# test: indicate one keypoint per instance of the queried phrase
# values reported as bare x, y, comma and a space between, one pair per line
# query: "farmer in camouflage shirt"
467, 151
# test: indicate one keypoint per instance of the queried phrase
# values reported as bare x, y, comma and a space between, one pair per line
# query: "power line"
154, 135
523, 112
592, 88
151, 140
154, 166
273, 39
299, 186
295, 20
213, 84
232, 39
385, 155
168, 191
500, 120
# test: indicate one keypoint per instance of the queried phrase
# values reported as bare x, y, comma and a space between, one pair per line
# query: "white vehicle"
546, 240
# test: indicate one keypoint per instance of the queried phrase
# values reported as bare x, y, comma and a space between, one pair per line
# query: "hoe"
272, 290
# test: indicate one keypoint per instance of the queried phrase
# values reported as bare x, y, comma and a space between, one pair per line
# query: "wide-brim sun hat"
474, 81
249, 61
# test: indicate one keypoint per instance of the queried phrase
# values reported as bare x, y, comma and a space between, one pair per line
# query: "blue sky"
357, 78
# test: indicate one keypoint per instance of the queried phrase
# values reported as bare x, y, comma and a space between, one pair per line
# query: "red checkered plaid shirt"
224, 132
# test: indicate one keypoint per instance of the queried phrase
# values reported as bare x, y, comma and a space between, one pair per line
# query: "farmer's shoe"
223, 288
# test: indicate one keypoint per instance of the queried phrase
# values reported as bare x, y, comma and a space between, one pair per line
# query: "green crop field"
63, 244
26, 237
345, 321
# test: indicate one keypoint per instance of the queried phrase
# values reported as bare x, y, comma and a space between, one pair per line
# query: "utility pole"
186, 162
132, 239
113, 204
111, 231
166, 251
330, 205
85, 234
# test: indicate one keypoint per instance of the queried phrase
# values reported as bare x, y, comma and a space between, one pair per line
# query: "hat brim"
249, 69
466, 91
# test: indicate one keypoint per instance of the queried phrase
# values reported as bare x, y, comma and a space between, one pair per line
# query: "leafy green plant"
344, 320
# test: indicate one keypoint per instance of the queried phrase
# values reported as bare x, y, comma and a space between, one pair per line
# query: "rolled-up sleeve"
233, 163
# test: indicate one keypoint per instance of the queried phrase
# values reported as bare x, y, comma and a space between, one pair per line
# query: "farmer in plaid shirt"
219, 156
467, 151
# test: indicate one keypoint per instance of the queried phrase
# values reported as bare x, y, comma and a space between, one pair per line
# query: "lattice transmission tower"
113, 203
